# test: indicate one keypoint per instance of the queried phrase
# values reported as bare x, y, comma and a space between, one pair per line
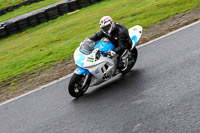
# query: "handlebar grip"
103, 53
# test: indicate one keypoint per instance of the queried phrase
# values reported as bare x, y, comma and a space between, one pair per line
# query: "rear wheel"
132, 58
76, 88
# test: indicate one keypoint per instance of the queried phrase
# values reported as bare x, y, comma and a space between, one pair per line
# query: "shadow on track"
122, 86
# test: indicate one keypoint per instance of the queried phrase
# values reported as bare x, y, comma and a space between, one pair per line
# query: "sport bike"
96, 65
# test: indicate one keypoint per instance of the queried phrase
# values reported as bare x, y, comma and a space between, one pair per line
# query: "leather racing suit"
119, 37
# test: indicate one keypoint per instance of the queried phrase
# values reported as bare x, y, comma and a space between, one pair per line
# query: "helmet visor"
106, 28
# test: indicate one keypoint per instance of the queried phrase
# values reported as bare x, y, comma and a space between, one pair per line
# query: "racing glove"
112, 53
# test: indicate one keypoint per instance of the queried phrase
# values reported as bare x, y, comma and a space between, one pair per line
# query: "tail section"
135, 34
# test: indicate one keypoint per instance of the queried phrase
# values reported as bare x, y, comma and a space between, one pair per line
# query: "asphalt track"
160, 95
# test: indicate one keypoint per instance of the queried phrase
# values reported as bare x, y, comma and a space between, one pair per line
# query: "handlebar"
103, 53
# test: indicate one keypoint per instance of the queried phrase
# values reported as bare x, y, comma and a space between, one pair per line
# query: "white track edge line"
35, 90
69, 75
168, 34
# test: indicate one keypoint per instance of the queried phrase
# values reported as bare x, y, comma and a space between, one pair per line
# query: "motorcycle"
96, 65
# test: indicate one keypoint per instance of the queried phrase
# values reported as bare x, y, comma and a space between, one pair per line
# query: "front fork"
81, 71
85, 80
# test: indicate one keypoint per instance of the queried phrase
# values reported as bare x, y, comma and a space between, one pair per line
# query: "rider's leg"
120, 63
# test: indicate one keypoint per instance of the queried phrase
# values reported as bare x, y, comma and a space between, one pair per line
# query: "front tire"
75, 87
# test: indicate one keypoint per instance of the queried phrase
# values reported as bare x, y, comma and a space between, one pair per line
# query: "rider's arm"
122, 42
97, 36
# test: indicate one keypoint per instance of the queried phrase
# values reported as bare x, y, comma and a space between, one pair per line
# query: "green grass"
13, 89
6, 3
55, 41
25, 9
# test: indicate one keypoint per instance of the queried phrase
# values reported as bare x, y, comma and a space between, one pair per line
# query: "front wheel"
75, 87
132, 58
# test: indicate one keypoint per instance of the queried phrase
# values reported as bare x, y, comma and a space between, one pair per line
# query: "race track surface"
160, 95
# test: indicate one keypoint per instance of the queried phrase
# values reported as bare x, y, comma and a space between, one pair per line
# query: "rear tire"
132, 60
75, 86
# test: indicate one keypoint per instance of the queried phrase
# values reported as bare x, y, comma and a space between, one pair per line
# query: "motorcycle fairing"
81, 71
105, 45
97, 68
135, 34
103, 67
83, 60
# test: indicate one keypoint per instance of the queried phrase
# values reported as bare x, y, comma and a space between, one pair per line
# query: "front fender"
80, 71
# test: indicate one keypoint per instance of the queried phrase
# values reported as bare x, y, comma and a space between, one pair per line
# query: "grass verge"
52, 42
6, 3
25, 9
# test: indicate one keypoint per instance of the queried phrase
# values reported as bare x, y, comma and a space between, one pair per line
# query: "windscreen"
87, 46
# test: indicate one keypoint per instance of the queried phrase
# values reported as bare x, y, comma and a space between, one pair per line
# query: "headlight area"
90, 59
97, 55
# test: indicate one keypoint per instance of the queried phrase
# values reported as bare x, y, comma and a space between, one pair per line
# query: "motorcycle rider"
117, 33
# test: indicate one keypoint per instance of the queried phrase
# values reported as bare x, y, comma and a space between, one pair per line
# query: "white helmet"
107, 24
